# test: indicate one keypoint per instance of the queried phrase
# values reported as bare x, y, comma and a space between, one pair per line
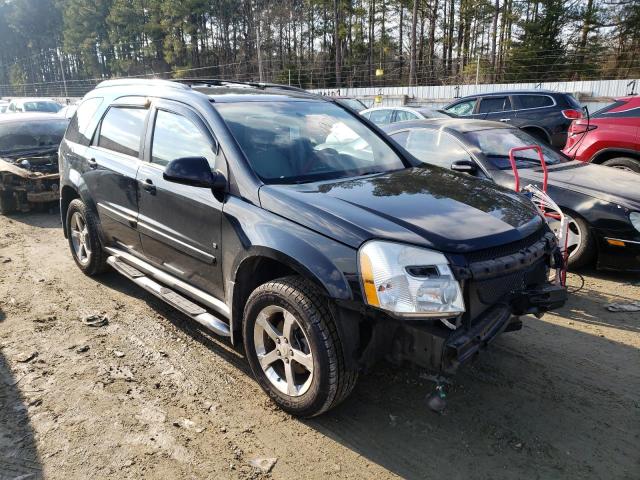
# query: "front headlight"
408, 280
635, 220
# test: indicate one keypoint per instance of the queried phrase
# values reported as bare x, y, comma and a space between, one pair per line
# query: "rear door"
179, 224
496, 108
114, 157
535, 109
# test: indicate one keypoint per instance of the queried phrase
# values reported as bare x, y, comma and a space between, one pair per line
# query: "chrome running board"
143, 279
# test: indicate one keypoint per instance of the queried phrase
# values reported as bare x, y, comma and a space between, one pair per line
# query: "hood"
604, 183
427, 206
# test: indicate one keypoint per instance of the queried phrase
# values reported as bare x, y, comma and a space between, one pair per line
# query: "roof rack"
222, 82
151, 82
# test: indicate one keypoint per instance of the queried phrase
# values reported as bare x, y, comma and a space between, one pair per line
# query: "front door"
179, 224
113, 159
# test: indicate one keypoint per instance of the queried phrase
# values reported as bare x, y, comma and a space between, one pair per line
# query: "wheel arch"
67, 195
262, 264
536, 130
609, 153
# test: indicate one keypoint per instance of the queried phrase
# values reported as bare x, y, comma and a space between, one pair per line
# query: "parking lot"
152, 394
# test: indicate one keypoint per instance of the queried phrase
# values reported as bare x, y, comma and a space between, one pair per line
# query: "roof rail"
222, 82
150, 82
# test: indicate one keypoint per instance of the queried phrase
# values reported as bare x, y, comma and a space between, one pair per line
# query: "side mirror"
193, 171
464, 166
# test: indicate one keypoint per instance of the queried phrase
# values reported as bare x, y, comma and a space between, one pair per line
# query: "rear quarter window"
77, 131
535, 101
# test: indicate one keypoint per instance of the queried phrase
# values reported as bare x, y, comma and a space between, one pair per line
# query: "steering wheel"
330, 155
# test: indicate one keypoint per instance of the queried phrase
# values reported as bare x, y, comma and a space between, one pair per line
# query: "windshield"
41, 106
496, 143
303, 141
31, 135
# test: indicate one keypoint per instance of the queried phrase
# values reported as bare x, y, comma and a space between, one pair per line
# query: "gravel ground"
153, 395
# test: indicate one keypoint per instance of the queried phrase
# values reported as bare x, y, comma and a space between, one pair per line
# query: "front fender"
250, 231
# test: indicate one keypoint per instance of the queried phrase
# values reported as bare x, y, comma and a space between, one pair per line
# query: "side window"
121, 130
366, 115
175, 136
12, 107
535, 101
401, 138
494, 104
463, 108
79, 122
433, 146
402, 116
381, 117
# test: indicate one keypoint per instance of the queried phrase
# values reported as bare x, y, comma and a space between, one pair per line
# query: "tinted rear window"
494, 104
535, 101
121, 130
573, 102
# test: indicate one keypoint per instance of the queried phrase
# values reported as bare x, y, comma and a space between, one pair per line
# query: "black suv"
286, 221
544, 114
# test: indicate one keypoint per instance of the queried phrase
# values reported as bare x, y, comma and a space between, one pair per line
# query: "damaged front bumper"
433, 346
498, 291
22, 189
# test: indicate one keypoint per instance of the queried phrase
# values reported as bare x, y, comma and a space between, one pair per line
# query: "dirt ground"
152, 395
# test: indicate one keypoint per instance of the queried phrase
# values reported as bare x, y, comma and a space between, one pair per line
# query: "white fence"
597, 89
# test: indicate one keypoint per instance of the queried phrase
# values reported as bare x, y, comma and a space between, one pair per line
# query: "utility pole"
64, 79
259, 53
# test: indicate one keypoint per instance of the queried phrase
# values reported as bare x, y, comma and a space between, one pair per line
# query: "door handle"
92, 163
148, 186
505, 119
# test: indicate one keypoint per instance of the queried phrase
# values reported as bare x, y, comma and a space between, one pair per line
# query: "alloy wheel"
80, 238
574, 234
283, 351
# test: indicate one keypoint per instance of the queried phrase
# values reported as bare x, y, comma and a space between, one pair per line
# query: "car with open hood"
288, 223
29, 160
602, 204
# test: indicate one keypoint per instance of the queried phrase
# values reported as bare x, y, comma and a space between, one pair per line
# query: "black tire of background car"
98, 259
586, 252
332, 381
624, 163
538, 135
7, 203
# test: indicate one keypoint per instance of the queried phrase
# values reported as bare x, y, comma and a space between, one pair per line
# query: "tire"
7, 203
95, 259
585, 251
314, 332
624, 163
538, 135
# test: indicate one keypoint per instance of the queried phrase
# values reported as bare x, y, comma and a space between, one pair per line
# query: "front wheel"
293, 347
580, 241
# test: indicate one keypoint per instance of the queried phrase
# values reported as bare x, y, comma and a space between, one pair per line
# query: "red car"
611, 136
